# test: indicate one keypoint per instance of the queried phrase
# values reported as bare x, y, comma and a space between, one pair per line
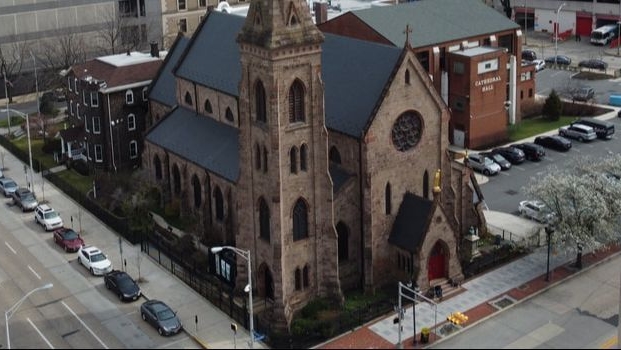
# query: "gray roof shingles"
163, 89
409, 227
213, 59
435, 21
202, 140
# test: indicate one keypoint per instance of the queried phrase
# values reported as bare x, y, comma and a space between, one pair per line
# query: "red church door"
436, 262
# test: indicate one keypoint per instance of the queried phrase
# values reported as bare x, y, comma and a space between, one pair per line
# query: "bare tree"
586, 200
120, 34
506, 6
12, 59
60, 53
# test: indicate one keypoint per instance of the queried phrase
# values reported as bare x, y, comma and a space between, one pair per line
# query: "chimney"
321, 12
155, 52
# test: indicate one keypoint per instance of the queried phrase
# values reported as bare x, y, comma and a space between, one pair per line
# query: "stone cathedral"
324, 156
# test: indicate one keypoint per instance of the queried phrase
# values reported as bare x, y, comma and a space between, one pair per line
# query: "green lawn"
81, 182
47, 160
15, 121
531, 127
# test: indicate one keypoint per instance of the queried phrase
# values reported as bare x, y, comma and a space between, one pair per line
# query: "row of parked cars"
502, 158
155, 312
562, 60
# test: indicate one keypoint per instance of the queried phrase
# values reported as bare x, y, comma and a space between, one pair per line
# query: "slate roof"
163, 89
212, 58
354, 72
116, 76
202, 140
434, 21
411, 222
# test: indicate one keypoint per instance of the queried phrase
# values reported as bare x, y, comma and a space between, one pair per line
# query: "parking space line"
34, 272
40, 334
519, 168
10, 248
85, 326
504, 173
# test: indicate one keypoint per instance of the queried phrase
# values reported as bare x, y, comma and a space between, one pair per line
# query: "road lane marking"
40, 334
85, 326
609, 344
34, 272
10, 248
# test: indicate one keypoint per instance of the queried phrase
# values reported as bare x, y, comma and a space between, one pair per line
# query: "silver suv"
579, 132
47, 217
483, 164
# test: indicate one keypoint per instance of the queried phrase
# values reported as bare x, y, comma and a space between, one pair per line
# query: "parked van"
603, 129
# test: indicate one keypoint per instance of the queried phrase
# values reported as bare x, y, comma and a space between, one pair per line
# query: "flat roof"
476, 51
134, 57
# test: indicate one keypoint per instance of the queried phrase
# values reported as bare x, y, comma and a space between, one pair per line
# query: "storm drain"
511, 192
503, 302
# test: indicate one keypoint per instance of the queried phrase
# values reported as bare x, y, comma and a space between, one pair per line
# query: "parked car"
8, 186
555, 142
512, 154
483, 164
94, 260
584, 93
123, 285
25, 199
593, 63
160, 316
603, 129
531, 151
558, 60
47, 217
68, 239
529, 55
536, 210
539, 65
498, 159
580, 132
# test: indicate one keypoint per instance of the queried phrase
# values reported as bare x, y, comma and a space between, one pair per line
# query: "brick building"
435, 29
106, 106
324, 156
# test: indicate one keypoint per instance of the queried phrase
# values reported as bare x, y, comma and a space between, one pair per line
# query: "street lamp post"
549, 232
6, 95
556, 32
619, 29
25, 116
114, 124
414, 295
248, 289
8, 313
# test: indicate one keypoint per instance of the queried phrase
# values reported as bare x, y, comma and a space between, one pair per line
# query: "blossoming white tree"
586, 199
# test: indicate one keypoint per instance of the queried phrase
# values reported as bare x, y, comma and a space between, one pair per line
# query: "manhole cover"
523, 287
503, 302
511, 192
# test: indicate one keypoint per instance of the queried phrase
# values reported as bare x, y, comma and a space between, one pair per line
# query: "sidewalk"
482, 297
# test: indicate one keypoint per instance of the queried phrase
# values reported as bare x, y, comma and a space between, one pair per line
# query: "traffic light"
457, 318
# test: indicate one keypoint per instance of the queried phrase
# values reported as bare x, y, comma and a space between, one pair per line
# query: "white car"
539, 65
536, 210
47, 217
94, 260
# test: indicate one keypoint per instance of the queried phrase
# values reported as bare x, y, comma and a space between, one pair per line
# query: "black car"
559, 60
593, 63
160, 316
555, 142
531, 150
498, 159
529, 55
512, 154
120, 283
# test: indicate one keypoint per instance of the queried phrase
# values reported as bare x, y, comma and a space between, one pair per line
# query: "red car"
68, 239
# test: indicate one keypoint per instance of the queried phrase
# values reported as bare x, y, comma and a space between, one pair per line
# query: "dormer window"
94, 99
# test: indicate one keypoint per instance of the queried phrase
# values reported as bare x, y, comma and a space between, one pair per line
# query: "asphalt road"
582, 313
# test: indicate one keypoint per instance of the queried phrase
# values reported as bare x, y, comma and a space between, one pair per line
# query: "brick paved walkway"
365, 338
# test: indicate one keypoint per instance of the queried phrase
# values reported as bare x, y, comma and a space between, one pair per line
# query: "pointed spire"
279, 23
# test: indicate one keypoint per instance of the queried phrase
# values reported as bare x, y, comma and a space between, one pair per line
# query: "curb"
528, 297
